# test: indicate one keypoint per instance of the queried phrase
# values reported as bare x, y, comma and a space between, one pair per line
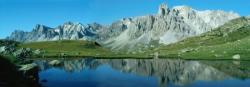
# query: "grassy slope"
237, 69
222, 43
77, 48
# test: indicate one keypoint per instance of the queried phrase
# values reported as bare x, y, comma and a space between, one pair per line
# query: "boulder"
55, 62
30, 71
37, 52
217, 55
187, 50
2, 49
27, 67
236, 57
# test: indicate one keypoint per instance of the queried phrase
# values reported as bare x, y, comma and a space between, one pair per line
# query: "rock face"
23, 53
168, 26
2, 49
67, 31
7, 47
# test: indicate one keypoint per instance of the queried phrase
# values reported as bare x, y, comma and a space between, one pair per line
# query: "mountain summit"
166, 27
67, 31
163, 9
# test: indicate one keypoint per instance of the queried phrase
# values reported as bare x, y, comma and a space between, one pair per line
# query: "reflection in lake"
139, 73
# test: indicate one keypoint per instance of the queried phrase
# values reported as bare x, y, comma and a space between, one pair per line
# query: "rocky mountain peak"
38, 26
41, 28
166, 27
70, 26
94, 26
163, 9
68, 23
66, 31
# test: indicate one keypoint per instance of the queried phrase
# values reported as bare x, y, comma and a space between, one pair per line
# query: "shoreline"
106, 57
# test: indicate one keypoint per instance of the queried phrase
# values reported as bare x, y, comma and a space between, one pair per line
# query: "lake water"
144, 73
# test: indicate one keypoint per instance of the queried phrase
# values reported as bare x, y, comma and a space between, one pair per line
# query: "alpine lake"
90, 72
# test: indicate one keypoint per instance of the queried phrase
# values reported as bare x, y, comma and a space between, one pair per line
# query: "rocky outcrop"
7, 47
23, 53
11, 77
168, 26
2, 49
236, 57
67, 31
27, 67
30, 72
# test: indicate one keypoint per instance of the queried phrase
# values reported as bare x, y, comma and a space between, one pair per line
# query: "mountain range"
227, 41
168, 26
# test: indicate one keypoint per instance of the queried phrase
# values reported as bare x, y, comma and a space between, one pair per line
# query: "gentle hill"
76, 48
231, 39
67, 47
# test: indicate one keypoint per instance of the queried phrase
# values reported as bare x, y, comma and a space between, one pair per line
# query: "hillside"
76, 48
226, 41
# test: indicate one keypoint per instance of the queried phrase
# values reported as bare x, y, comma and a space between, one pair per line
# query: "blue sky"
25, 14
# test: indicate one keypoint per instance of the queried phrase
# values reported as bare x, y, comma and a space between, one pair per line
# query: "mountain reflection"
178, 72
